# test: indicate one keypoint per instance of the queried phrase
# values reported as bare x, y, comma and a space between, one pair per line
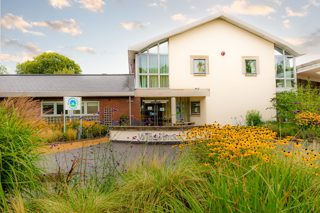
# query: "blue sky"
97, 33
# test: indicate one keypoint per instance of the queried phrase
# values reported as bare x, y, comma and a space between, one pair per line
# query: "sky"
96, 34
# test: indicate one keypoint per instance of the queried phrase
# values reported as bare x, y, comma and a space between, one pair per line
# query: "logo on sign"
72, 103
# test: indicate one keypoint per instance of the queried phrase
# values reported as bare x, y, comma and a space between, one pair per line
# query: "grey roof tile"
66, 85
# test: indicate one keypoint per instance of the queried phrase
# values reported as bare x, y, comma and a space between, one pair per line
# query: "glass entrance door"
155, 112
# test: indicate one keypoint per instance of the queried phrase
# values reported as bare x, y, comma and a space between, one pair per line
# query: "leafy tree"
3, 69
49, 63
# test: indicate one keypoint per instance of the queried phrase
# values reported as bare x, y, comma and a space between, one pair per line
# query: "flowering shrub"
307, 119
289, 103
216, 144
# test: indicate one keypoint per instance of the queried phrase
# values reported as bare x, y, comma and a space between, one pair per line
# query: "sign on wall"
72, 103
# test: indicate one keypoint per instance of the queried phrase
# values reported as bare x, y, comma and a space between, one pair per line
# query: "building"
309, 72
105, 98
212, 70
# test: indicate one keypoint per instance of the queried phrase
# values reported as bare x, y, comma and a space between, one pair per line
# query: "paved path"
104, 157
66, 146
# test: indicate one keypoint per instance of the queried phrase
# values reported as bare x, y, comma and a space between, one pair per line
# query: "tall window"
153, 67
285, 70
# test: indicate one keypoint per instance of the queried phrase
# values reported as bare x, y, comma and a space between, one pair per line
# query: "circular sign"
73, 103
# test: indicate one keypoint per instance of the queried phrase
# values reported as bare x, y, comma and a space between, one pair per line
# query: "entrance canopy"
309, 71
196, 92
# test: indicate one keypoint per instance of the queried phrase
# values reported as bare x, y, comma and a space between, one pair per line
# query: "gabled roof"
232, 20
66, 85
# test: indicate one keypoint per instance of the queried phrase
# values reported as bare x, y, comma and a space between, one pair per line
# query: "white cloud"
93, 5
295, 41
31, 48
11, 21
183, 18
278, 2
315, 3
60, 4
70, 26
158, 3
132, 25
243, 7
84, 49
179, 17
286, 23
291, 13
9, 57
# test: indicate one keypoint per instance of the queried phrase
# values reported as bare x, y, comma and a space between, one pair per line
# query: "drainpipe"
129, 110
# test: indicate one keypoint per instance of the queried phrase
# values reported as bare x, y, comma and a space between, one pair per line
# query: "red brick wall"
121, 107
120, 104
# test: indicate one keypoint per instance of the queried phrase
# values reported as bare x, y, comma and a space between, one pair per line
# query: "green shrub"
283, 129
253, 118
124, 120
289, 103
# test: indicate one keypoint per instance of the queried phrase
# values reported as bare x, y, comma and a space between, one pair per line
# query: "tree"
3, 70
49, 63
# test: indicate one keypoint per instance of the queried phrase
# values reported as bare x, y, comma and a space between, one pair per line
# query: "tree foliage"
289, 103
3, 69
49, 63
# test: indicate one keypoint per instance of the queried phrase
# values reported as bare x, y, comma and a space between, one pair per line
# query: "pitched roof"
66, 85
226, 17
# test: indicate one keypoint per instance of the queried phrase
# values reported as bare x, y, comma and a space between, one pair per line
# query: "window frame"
199, 57
55, 103
244, 67
284, 54
148, 74
191, 108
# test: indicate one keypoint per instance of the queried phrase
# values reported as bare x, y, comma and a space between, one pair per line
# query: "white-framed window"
199, 65
153, 67
250, 65
195, 107
285, 68
55, 108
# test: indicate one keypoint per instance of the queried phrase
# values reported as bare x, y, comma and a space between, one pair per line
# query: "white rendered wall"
232, 93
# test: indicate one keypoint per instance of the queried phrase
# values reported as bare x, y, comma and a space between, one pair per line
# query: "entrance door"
154, 113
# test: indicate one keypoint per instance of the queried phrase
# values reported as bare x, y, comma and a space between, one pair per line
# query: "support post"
130, 111
64, 118
173, 111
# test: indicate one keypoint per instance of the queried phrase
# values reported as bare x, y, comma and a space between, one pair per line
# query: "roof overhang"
63, 94
309, 71
172, 92
226, 17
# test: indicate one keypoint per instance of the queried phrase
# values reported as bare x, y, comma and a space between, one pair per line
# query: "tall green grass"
187, 186
18, 157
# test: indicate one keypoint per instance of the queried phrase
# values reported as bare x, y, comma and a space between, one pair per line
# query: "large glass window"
53, 108
285, 69
153, 67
